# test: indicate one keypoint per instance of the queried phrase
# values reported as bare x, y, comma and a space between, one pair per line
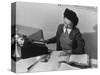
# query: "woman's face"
68, 23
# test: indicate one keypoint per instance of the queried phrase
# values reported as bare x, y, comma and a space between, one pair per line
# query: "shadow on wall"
31, 32
91, 43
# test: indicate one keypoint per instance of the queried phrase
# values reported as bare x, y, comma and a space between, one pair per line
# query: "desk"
51, 65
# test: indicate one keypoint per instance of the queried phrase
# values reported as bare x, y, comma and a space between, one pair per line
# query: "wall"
49, 16
43, 16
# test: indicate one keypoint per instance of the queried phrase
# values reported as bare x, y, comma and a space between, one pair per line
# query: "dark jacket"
75, 35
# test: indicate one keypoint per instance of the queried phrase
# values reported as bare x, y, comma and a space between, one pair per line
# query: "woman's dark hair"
71, 15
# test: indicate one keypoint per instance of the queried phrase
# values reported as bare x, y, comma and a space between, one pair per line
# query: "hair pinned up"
71, 15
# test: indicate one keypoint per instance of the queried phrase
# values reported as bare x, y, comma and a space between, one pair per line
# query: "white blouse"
68, 30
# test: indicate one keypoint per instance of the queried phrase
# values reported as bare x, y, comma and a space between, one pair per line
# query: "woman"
68, 37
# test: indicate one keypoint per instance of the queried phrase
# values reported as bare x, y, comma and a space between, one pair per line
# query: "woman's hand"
69, 51
65, 52
45, 41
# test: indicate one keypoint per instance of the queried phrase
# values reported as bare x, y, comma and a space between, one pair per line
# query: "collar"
66, 29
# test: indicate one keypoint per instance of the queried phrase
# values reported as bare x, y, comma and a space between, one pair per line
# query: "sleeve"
80, 44
54, 39
51, 40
